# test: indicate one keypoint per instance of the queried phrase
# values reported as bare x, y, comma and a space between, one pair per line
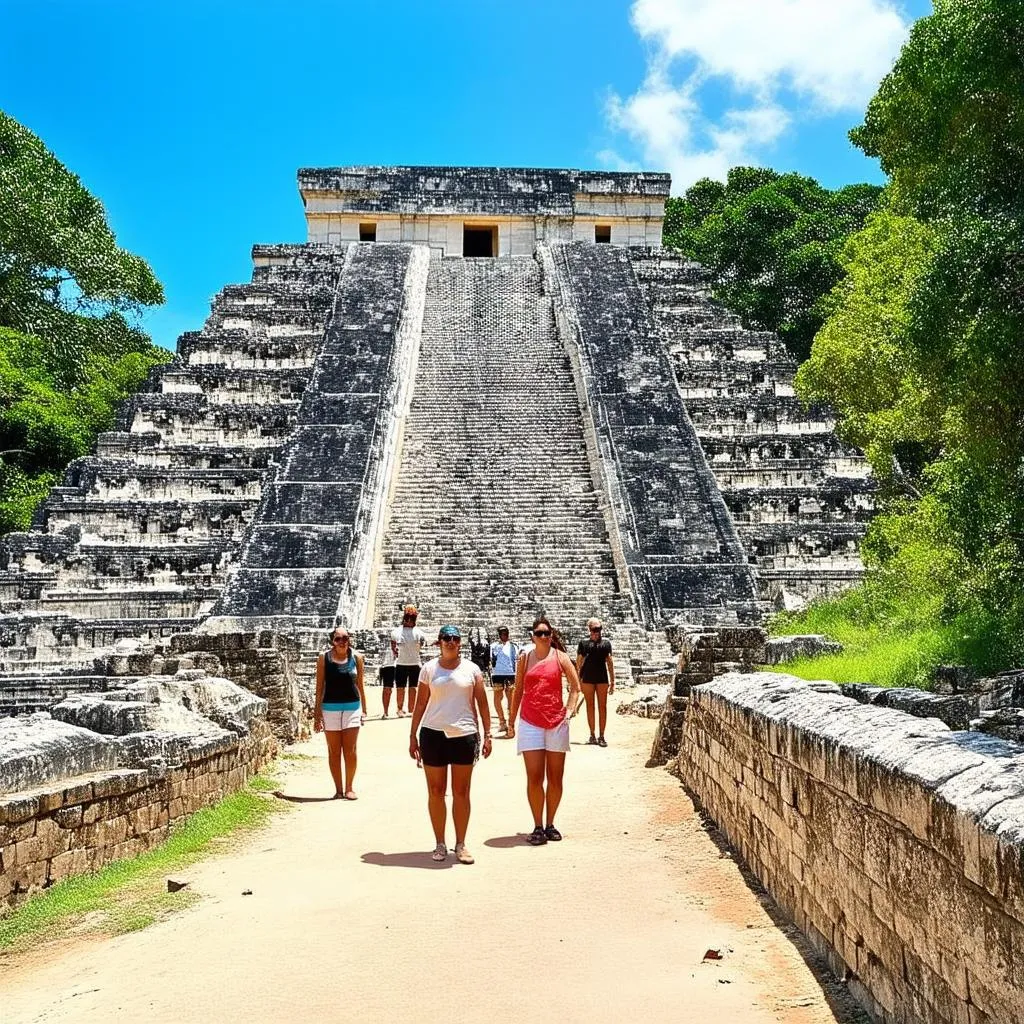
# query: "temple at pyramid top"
482, 211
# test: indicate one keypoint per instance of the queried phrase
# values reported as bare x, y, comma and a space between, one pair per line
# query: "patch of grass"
130, 894
885, 659
889, 639
264, 784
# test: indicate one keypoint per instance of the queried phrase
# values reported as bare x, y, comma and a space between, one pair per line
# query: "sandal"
602, 742
592, 742
538, 837
462, 855
552, 834
440, 852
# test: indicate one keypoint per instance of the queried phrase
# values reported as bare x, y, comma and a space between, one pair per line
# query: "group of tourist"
451, 718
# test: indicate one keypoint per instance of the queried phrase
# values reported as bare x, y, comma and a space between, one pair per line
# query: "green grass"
884, 642
903, 659
130, 894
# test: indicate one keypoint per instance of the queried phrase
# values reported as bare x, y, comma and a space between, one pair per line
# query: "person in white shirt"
406, 643
387, 671
449, 700
503, 673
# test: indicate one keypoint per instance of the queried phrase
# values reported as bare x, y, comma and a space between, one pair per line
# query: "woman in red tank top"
543, 724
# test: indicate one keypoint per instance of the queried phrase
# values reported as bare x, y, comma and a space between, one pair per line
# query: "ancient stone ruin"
487, 391
490, 392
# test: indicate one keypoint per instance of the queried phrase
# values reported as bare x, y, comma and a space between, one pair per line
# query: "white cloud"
780, 60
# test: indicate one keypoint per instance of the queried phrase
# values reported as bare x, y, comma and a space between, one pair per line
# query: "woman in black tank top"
340, 708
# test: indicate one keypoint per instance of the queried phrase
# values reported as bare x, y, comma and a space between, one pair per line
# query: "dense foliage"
69, 351
772, 243
922, 351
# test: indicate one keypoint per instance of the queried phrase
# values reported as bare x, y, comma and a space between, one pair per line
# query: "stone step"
263, 350
781, 473
222, 385
148, 521
489, 351
151, 450
134, 602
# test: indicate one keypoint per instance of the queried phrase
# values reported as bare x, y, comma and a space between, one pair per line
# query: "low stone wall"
79, 825
895, 845
702, 654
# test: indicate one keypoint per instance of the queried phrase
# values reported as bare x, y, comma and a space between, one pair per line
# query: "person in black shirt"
597, 676
340, 708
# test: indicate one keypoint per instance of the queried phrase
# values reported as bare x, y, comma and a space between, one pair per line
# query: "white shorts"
533, 737
337, 720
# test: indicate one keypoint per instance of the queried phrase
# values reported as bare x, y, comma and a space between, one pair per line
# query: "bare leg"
348, 749
437, 785
462, 774
387, 699
555, 769
602, 706
588, 696
497, 706
534, 761
334, 759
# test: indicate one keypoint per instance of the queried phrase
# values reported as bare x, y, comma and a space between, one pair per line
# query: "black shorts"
438, 750
406, 675
503, 680
387, 675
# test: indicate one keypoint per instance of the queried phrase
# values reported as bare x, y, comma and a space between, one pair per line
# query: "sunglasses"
408, 616
542, 632
451, 639
339, 639
595, 629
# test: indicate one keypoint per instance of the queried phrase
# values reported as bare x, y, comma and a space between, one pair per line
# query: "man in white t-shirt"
406, 643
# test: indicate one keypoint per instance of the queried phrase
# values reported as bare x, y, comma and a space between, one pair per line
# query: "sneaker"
538, 837
592, 742
462, 855
602, 742
440, 852
553, 835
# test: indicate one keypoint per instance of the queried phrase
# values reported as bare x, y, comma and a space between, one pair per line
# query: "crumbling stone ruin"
492, 393
487, 391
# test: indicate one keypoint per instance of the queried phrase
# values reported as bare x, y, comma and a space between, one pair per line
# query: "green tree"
772, 244
62, 275
861, 363
69, 349
921, 353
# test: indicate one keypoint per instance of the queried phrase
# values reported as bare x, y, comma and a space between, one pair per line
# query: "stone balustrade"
894, 844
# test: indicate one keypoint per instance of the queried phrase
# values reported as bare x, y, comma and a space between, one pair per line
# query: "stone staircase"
495, 515
801, 499
138, 540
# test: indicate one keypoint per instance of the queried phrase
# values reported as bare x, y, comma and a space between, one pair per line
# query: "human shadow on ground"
304, 799
413, 859
507, 842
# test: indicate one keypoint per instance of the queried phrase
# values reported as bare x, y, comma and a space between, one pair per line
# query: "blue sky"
189, 119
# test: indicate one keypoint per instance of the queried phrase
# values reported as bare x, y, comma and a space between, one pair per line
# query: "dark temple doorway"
480, 241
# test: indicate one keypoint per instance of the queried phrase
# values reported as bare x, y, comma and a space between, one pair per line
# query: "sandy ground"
349, 919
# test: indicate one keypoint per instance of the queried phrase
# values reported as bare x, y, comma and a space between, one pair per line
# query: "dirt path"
350, 920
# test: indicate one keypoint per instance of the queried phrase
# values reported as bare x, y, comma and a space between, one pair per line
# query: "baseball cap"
449, 632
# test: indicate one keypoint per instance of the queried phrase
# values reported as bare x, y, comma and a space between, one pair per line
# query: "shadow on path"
413, 859
507, 842
304, 799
